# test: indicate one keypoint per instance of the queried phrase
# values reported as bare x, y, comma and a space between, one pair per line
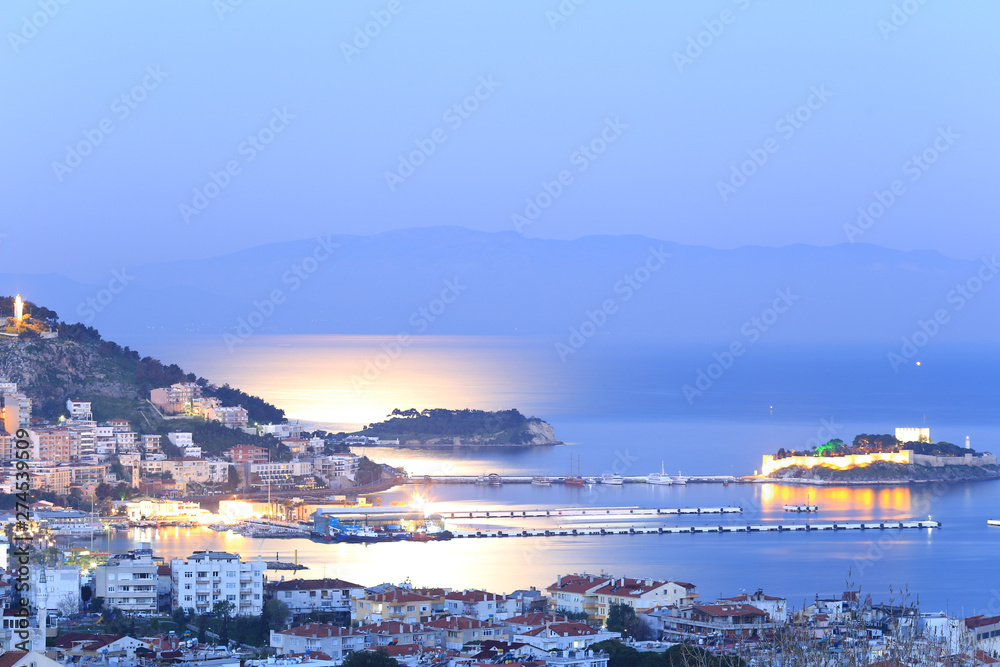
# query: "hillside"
882, 472
80, 364
448, 428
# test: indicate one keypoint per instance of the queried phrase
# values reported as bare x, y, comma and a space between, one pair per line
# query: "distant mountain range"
449, 280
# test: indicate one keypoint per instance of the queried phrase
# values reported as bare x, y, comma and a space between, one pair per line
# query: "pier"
588, 511
526, 479
735, 528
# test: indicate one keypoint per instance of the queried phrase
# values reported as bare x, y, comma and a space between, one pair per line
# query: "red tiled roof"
536, 618
318, 630
312, 584
10, 658
729, 610
388, 628
459, 623
396, 596
979, 621
746, 598
473, 596
397, 649
575, 583
632, 588
163, 570
571, 629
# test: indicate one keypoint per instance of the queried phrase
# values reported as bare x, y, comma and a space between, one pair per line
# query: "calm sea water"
619, 406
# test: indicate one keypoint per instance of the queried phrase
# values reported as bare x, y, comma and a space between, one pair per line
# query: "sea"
632, 407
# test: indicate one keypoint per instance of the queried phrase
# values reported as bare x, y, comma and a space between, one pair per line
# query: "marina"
602, 512
664, 530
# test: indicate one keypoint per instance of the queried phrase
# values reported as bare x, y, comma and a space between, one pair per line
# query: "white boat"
659, 478
612, 480
801, 508
680, 479
992, 522
541, 481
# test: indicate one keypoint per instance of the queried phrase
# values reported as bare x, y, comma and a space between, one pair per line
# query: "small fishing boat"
680, 479
612, 480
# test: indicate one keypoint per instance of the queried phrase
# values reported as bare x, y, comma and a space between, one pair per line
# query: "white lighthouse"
18, 309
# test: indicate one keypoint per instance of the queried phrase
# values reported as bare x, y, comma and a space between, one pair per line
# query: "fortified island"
908, 456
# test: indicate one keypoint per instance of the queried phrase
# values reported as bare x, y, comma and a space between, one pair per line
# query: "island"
439, 427
880, 459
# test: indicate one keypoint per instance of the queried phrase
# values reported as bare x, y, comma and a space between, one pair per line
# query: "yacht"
541, 481
659, 478
680, 479
612, 480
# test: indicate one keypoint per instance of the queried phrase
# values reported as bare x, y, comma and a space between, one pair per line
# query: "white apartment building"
180, 440
79, 410
335, 641
337, 465
303, 595
62, 588
129, 581
278, 472
207, 577
481, 605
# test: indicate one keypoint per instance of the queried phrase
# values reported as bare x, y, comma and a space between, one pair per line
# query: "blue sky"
202, 84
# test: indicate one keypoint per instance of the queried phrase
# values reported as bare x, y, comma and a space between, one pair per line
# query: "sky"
161, 130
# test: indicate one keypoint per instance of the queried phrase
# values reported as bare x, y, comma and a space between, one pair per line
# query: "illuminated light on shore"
769, 463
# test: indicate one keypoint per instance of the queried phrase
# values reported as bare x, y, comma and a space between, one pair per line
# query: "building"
395, 605
577, 592
913, 434
565, 635
290, 429
457, 631
394, 633
775, 607
240, 454
76, 645
304, 595
79, 410
230, 417
337, 465
480, 604
187, 469
180, 439
642, 594
129, 581
62, 588
176, 398
332, 640
279, 472
207, 577
726, 621
164, 510
14, 658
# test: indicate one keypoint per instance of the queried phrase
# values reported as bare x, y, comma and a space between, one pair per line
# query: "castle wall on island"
769, 463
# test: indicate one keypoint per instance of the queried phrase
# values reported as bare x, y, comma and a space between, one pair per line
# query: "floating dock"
801, 508
526, 479
748, 528
587, 511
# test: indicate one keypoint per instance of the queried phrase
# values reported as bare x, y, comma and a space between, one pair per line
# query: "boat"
801, 508
363, 534
541, 481
993, 522
495, 479
577, 479
680, 479
482, 480
659, 478
612, 480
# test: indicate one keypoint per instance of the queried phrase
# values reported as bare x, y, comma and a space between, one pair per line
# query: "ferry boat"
680, 479
541, 481
659, 478
612, 480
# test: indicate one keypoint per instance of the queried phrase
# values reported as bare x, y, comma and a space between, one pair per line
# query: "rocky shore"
885, 473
